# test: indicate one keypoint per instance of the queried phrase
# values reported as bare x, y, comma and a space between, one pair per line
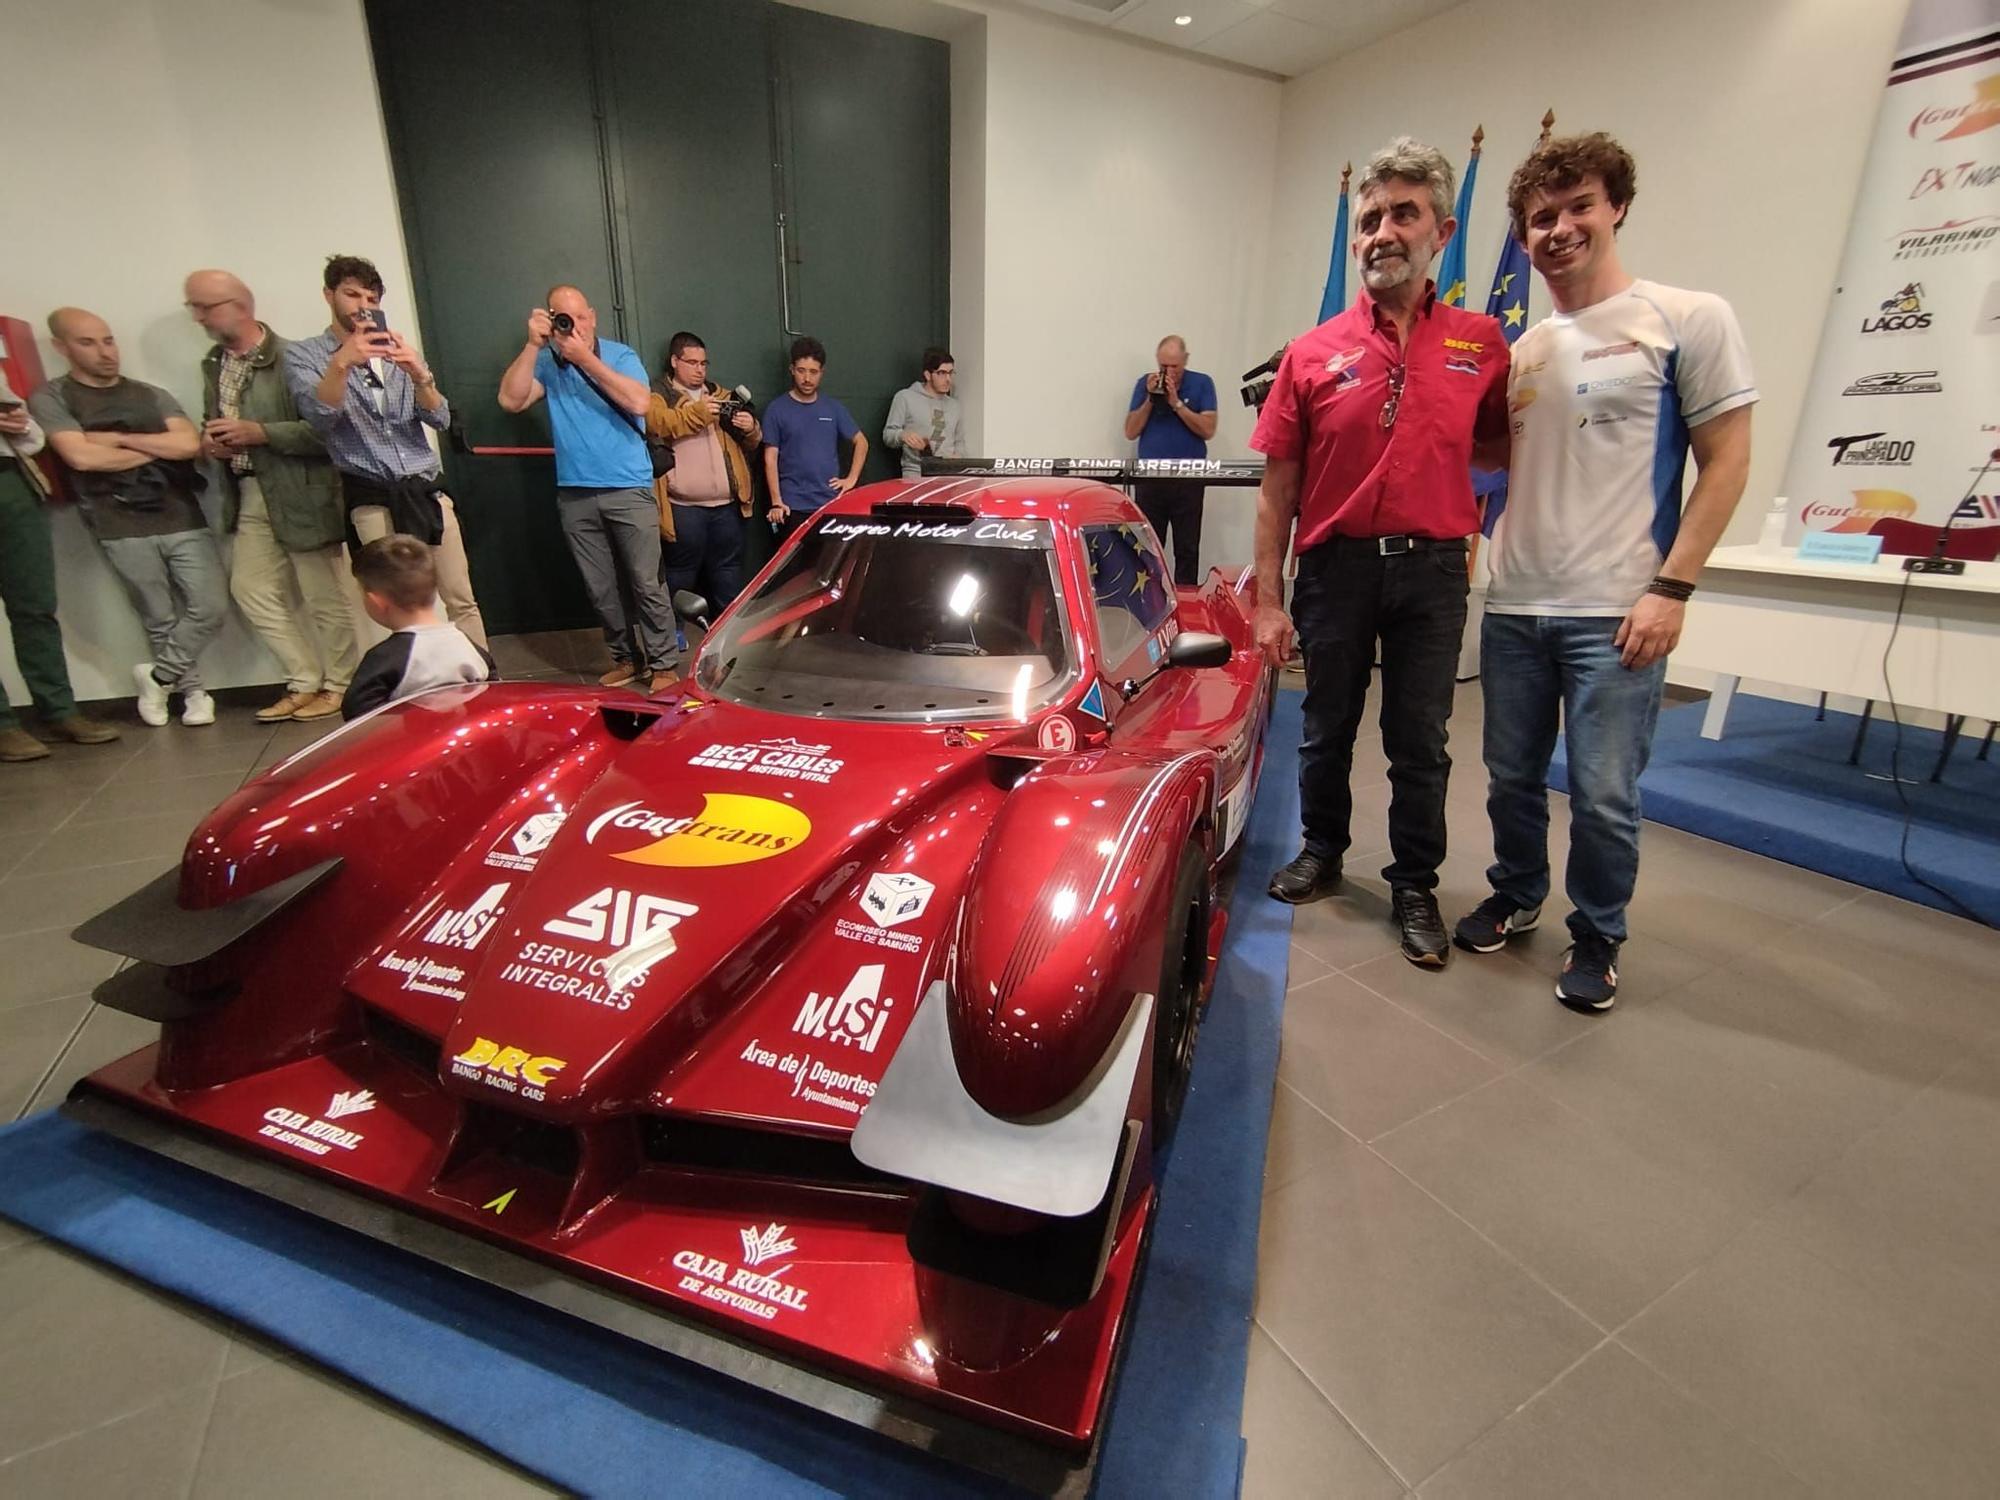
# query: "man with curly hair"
1595, 554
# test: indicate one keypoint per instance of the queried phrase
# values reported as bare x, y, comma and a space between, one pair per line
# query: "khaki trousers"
454, 575
279, 590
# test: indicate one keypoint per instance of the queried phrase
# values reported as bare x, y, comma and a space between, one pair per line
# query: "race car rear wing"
1109, 470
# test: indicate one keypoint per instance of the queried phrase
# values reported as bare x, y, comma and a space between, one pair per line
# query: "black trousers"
1175, 503
1347, 598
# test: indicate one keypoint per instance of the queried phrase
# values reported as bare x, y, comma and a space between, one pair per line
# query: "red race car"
835, 1005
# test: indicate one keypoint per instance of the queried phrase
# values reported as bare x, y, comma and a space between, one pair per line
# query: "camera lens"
562, 322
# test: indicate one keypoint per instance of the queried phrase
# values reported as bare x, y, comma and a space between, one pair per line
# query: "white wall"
1749, 122
1126, 194
152, 137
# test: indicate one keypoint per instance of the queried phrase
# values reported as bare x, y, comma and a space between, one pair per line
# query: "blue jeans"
706, 554
1531, 667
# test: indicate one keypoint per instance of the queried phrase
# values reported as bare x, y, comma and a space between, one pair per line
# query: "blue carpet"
1778, 783
600, 1415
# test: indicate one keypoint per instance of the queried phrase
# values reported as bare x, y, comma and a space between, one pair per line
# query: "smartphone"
10, 406
375, 318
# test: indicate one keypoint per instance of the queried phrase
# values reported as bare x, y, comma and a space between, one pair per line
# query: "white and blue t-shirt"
1602, 400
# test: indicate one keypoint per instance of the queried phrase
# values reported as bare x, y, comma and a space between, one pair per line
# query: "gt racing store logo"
1897, 383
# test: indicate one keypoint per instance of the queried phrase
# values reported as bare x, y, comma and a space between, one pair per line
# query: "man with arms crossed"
1594, 556
132, 450
597, 393
1370, 428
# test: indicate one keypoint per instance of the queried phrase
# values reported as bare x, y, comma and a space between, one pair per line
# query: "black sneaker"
1422, 926
1486, 928
1589, 978
1306, 877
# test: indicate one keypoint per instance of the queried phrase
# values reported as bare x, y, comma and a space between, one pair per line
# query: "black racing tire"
1177, 1001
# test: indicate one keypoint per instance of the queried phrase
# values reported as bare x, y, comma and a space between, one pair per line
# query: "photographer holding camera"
598, 398
706, 496
1173, 416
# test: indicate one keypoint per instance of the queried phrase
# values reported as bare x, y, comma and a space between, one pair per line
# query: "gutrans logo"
730, 829
1953, 122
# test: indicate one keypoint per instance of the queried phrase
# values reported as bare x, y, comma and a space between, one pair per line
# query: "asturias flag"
1451, 271
1334, 298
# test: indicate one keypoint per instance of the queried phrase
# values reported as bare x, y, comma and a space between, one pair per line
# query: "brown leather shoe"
285, 708
621, 673
79, 730
319, 706
661, 682
19, 745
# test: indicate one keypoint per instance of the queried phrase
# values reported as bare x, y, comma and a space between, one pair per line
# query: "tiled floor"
1741, 1237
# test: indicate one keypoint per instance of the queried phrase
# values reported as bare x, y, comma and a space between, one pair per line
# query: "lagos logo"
731, 829
1902, 313
1981, 112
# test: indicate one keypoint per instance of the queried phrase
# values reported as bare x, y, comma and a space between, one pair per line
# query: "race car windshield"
896, 618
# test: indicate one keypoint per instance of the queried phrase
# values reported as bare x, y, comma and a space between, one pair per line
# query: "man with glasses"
925, 417
282, 499
706, 495
1371, 428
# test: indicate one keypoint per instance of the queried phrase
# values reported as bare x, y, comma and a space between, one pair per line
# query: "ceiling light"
1184, 20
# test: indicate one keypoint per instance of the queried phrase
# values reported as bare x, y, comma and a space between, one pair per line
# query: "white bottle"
1771, 540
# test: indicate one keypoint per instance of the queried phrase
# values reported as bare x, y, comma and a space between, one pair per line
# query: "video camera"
1258, 382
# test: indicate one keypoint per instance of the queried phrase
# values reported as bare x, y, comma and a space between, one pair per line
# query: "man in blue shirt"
803, 431
1173, 416
598, 396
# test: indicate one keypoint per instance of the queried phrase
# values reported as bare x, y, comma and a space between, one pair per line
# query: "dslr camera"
560, 323
733, 402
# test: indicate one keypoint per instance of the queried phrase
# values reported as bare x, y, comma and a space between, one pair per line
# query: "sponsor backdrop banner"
1904, 402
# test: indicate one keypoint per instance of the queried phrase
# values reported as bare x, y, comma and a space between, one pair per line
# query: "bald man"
598, 396
132, 451
282, 498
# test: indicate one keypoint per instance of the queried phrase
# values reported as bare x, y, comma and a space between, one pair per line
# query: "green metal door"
663, 155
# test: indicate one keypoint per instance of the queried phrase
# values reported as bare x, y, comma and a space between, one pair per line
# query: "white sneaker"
152, 697
197, 708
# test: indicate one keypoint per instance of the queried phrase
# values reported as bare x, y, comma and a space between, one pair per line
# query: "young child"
399, 586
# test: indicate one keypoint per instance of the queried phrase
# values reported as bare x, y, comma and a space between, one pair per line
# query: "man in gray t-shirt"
131, 450
925, 417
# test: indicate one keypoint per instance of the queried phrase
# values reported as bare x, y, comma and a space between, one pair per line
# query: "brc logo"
506, 1065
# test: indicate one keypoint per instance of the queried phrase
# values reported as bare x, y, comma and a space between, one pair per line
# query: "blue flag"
1334, 298
1509, 299
1451, 271
1508, 302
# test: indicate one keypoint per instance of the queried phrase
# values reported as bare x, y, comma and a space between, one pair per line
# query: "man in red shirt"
1370, 430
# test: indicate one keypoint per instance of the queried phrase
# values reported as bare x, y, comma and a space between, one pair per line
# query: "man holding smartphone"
370, 396
28, 589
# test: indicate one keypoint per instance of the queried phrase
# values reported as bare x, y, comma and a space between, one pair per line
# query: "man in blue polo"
1173, 416
598, 396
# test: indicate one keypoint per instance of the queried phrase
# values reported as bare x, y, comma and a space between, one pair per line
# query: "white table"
1769, 617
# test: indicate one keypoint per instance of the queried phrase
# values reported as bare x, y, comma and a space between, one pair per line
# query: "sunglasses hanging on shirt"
1395, 397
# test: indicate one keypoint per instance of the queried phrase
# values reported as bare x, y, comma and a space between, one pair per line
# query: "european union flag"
1508, 302
1509, 299
1334, 298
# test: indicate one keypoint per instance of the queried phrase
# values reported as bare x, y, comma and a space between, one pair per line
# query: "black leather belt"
1396, 546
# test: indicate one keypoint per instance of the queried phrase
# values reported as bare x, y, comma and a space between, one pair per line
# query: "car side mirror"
1198, 648
691, 606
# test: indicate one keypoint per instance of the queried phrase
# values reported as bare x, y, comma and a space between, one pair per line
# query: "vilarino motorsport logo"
1925, 241
1901, 313
1896, 383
